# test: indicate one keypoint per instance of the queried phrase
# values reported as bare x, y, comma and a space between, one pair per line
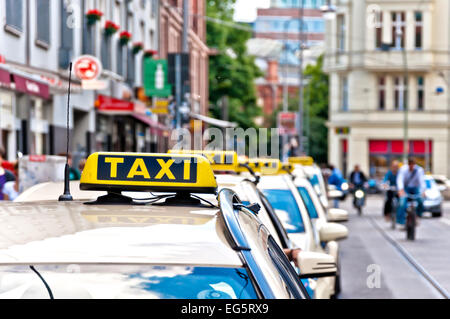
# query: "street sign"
106, 103
161, 107
287, 123
155, 78
87, 67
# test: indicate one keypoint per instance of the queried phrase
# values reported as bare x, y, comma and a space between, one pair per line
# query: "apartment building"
385, 57
281, 22
38, 40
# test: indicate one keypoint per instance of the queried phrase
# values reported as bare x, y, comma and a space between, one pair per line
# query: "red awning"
30, 86
378, 147
422, 147
156, 128
5, 77
397, 147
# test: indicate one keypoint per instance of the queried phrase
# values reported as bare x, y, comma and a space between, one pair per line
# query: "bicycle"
411, 216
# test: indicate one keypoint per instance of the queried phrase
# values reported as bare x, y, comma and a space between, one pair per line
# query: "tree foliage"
232, 71
315, 97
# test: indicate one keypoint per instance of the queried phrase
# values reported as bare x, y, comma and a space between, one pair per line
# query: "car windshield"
307, 200
123, 282
286, 208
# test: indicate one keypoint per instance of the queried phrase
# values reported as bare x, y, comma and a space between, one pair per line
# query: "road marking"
412, 261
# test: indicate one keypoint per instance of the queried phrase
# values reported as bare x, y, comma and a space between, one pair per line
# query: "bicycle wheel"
411, 224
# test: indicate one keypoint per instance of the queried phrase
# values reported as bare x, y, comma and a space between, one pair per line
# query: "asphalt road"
373, 267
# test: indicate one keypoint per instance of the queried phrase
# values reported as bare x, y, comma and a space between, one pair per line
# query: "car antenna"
67, 197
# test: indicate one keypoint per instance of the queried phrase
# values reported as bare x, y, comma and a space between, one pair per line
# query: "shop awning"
156, 128
5, 77
213, 121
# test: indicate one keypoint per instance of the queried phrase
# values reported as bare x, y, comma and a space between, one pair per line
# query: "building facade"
281, 22
38, 40
384, 57
171, 22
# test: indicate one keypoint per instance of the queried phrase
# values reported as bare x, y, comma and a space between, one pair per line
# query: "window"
344, 93
341, 33
119, 59
381, 93
400, 93
286, 208
14, 14
398, 30
43, 22
419, 30
420, 93
378, 29
66, 48
106, 51
307, 200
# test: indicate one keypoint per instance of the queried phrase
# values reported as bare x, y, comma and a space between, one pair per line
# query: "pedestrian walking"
11, 188
5, 175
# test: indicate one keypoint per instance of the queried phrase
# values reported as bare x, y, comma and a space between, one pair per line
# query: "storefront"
122, 127
24, 111
383, 152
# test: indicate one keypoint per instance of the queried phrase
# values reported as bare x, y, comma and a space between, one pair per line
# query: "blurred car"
433, 197
373, 186
443, 184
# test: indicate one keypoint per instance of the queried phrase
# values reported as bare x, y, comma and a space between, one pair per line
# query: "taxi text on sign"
146, 172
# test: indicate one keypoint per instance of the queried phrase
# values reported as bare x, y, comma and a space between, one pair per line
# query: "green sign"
155, 78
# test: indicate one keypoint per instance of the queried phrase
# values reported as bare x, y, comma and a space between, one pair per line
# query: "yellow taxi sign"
148, 172
302, 160
286, 168
219, 160
265, 166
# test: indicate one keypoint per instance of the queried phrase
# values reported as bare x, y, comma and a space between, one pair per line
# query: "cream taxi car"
184, 241
231, 176
305, 167
277, 185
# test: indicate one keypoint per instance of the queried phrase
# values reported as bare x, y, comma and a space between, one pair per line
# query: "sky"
245, 10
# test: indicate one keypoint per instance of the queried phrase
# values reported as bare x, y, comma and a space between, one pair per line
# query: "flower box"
137, 47
111, 27
93, 16
150, 53
125, 37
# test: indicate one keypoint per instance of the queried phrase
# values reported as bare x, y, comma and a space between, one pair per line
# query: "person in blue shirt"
335, 179
390, 179
410, 181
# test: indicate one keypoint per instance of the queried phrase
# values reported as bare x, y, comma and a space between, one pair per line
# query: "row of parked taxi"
185, 225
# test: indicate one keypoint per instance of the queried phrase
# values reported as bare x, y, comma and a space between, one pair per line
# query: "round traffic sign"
87, 67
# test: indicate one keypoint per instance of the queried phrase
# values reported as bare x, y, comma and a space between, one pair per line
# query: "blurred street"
368, 244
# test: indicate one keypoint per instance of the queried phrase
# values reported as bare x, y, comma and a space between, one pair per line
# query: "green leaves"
231, 72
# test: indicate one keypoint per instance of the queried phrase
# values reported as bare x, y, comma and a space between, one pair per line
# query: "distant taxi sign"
148, 172
266, 166
302, 160
220, 160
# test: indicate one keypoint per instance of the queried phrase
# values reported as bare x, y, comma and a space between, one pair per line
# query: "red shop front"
383, 152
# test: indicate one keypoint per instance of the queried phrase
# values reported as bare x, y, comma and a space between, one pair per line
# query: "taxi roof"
71, 232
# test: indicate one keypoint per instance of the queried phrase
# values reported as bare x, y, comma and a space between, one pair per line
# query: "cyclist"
410, 181
335, 179
390, 179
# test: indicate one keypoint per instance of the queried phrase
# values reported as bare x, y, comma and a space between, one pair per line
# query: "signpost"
155, 78
287, 123
88, 69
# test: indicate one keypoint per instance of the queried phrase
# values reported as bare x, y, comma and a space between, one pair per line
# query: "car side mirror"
315, 265
337, 215
332, 231
442, 188
335, 194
